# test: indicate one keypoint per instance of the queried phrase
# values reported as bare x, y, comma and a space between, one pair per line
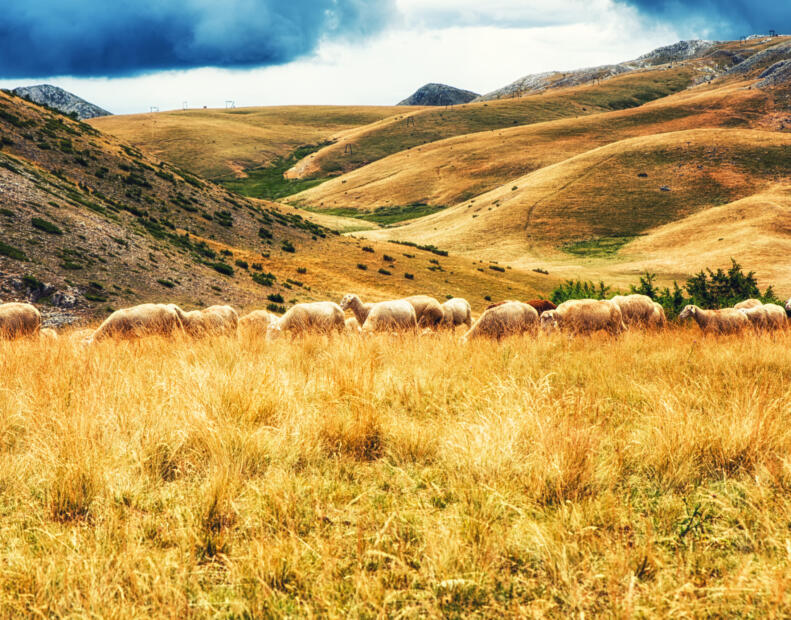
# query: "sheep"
748, 303
509, 318
320, 316
48, 334
138, 322
256, 323
428, 310
766, 317
355, 304
211, 321
583, 316
658, 319
390, 316
788, 308
542, 305
725, 321
353, 326
456, 311
637, 310
18, 320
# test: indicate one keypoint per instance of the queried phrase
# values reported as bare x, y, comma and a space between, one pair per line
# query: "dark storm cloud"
724, 18
89, 38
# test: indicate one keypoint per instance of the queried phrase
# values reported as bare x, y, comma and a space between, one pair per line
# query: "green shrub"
287, 246
577, 289
277, 309
46, 226
11, 252
385, 272
264, 279
276, 298
241, 264
368, 248
301, 270
362, 267
409, 276
497, 268
264, 233
223, 268
166, 283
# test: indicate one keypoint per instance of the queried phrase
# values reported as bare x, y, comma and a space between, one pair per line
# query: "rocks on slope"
439, 95
61, 100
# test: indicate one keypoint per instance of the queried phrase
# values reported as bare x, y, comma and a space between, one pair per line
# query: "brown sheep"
542, 305
725, 321
428, 310
256, 323
457, 312
320, 316
138, 322
18, 320
748, 303
584, 316
509, 318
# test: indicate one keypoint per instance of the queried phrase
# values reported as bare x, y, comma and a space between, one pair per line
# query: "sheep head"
688, 312
348, 301
550, 321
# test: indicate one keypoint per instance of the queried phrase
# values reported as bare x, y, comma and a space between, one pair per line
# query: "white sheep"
509, 318
316, 317
725, 321
353, 326
457, 311
138, 322
428, 310
748, 303
585, 316
211, 321
391, 316
18, 320
256, 323
766, 317
354, 303
636, 310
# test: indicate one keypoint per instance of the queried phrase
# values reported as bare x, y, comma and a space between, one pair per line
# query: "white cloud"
480, 57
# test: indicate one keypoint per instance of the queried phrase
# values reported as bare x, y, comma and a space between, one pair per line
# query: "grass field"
644, 476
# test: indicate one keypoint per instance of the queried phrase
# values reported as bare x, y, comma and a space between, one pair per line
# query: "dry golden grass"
643, 476
219, 143
453, 170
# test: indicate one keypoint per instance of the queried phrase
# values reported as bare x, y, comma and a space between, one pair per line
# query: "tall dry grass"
649, 475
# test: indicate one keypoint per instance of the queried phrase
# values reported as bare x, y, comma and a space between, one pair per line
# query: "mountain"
61, 100
439, 95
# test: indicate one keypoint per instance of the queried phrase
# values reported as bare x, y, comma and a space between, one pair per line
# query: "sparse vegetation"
46, 226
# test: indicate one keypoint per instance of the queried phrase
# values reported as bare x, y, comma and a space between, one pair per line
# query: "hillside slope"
450, 171
226, 143
91, 224
596, 202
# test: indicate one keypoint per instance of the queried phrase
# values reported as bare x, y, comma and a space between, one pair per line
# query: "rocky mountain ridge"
61, 100
439, 95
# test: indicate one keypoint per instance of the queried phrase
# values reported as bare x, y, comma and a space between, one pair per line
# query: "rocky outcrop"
439, 95
61, 100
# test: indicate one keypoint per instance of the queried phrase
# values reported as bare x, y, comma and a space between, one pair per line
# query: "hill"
61, 100
220, 144
92, 223
438, 95
593, 205
415, 129
446, 172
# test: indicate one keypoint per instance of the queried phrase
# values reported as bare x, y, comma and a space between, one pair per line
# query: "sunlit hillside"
222, 143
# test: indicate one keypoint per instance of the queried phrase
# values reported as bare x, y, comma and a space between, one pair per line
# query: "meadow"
397, 476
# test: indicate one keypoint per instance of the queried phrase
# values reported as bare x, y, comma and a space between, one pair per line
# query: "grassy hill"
593, 205
225, 143
450, 171
89, 216
414, 129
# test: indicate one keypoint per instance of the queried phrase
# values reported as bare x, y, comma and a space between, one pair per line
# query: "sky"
131, 55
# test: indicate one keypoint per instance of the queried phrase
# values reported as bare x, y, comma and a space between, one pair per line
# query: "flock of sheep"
411, 314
